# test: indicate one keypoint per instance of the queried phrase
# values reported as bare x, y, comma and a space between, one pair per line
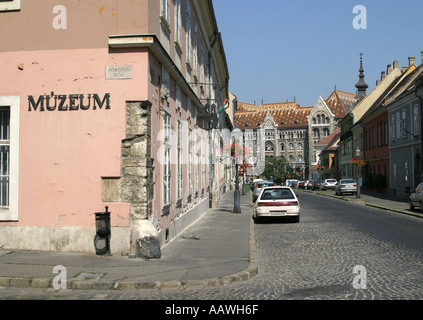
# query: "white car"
329, 184
277, 202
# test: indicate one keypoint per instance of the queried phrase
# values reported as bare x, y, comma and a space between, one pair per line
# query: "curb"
46, 283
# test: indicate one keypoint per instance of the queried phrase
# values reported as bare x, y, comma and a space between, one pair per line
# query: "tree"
279, 169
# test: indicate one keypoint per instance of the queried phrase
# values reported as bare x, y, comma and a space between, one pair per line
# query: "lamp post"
237, 196
358, 194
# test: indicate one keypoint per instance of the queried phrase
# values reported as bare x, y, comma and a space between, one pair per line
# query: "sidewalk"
218, 249
383, 201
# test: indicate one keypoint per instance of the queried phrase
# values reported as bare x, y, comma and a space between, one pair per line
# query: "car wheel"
421, 207
411, 205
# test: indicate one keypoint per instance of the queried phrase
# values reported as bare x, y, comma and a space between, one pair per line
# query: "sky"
279, 50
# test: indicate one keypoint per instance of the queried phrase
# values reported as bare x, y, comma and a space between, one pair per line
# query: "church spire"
361, 84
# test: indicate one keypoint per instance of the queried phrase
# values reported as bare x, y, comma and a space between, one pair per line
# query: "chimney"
411, 61
383, 76
396, 64
389, 69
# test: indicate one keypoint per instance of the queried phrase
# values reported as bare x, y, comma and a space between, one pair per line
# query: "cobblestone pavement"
314, 259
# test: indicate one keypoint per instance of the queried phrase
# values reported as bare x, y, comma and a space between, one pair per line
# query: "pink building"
108, 105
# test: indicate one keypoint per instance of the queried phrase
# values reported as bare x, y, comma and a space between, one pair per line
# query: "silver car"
346, 186
416, 198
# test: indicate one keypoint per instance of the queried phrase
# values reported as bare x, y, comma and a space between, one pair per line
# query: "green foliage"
279, 169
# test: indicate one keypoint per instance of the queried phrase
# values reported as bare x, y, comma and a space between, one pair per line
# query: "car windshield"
277, 193
348, 181
331, 180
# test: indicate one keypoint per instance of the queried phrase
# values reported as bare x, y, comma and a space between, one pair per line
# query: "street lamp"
237, 196
358, 194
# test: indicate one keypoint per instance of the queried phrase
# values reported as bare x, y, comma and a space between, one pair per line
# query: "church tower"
361, 84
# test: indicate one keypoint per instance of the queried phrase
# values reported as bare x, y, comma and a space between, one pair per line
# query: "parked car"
346, 186
416, 198
301, 184
260, 185
308, 184
329, 184
315, 184
254, 183
277, 202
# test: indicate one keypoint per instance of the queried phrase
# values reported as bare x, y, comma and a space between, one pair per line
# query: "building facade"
404, 109
290, 131
109, 105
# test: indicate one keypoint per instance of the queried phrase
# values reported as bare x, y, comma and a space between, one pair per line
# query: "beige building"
290, 131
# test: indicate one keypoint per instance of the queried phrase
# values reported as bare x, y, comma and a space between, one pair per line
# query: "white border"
10, 5
12, 213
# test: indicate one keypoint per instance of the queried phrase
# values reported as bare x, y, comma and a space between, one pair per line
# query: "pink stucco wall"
64, 154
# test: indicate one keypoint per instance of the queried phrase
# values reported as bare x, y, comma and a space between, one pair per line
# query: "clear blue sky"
281, 49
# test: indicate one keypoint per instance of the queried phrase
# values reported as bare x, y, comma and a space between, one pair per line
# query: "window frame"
12, 5
11, 212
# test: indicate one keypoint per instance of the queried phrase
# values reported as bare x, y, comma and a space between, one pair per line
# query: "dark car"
315, 185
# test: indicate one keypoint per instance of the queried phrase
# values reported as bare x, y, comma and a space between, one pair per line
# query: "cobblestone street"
310, 260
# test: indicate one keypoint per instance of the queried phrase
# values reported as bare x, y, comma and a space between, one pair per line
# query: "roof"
340, 103
332, 140
285, 115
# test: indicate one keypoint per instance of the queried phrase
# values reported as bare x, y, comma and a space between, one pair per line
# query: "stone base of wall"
183, 221
71, 239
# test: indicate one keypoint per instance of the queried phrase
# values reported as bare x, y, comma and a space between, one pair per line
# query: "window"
393, 127
397, 125
178, 23
291, 146
165, 10
166, 158
300, 146
416, 120
4, 156
9, 157
385, 133
188, 33
403, 129
179, 189
10, 5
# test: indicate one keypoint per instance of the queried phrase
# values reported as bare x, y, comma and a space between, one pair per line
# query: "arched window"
325, 132
269, 146
314, 120
291, 146
300, 159
300, 146
291, 159
282, 147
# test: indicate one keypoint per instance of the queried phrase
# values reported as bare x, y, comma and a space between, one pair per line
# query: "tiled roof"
340, 103
286, 115
330, 140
